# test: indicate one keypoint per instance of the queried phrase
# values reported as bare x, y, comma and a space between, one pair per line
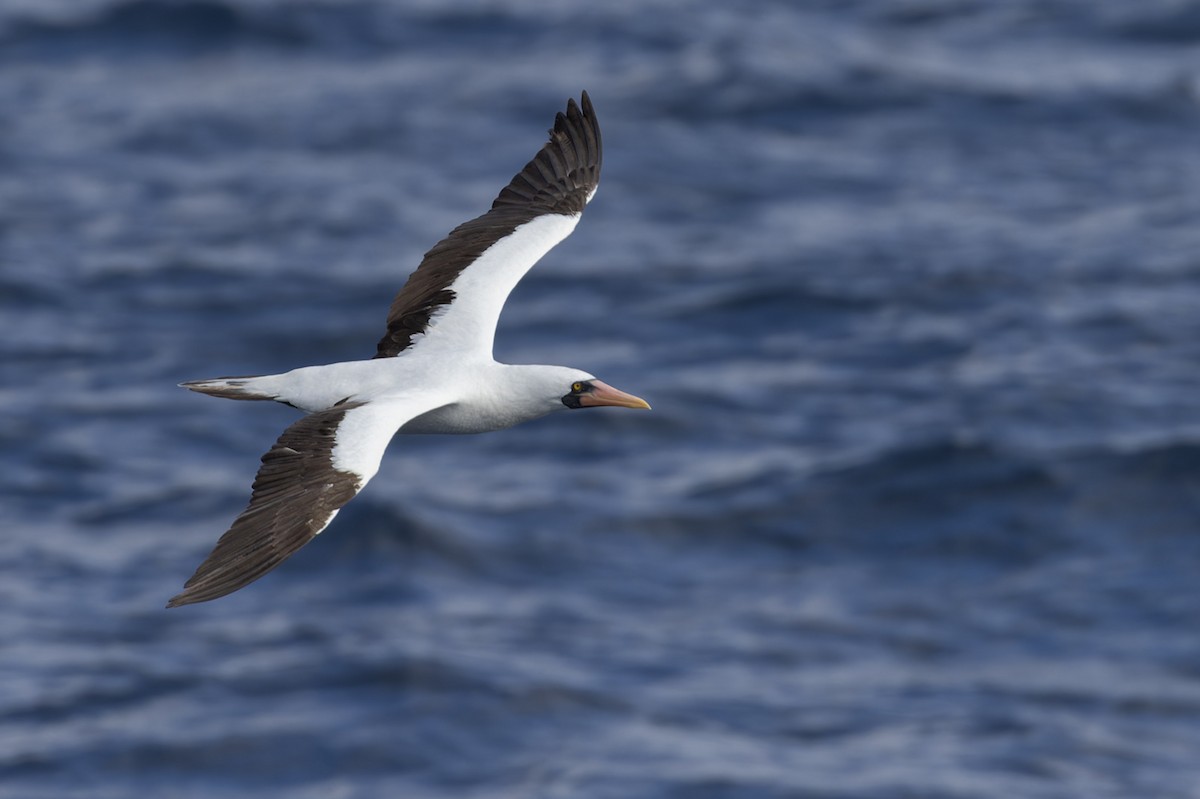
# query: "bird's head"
586, 391
559, 388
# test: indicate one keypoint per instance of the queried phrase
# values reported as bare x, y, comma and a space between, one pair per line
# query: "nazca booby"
433, 370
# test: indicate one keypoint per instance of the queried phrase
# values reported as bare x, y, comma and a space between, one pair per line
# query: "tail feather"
238, 388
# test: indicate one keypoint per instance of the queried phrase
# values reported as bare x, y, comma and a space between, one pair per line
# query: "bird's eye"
577, 387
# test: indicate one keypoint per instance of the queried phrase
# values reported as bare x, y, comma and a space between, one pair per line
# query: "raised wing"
462, 283
318, 465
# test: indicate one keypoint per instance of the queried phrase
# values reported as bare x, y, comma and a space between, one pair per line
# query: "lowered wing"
318, 465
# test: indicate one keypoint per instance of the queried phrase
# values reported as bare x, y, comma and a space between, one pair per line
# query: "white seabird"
433, 370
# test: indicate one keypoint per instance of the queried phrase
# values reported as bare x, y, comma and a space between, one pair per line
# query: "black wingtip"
179, 600
577, 115
187, 596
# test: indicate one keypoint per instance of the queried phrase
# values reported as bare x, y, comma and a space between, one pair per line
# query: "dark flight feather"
558, 180
295, 494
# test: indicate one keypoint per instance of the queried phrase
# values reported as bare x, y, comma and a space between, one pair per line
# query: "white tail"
238, 388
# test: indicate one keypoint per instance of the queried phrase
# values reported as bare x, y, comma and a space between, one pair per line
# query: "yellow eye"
577, 387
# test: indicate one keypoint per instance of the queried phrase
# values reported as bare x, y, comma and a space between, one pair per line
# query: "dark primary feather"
295, 494
557, 181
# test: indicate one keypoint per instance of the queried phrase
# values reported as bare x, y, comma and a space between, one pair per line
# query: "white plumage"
433, 371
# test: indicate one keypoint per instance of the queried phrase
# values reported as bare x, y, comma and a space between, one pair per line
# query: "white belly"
461, 419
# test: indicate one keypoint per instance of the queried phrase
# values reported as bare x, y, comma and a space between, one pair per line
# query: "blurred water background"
913, 286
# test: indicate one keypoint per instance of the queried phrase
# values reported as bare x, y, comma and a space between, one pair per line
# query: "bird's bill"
604, 394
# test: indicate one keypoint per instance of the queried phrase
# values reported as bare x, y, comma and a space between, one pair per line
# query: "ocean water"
913, 287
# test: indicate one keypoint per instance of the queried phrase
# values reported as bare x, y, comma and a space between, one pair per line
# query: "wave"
129, 28
951, 499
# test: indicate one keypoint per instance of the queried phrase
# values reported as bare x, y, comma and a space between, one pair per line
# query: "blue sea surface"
913, 287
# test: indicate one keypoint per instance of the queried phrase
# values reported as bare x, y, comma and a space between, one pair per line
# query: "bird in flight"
433, 370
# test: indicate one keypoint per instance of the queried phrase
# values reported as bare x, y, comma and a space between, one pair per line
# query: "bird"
433, 370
